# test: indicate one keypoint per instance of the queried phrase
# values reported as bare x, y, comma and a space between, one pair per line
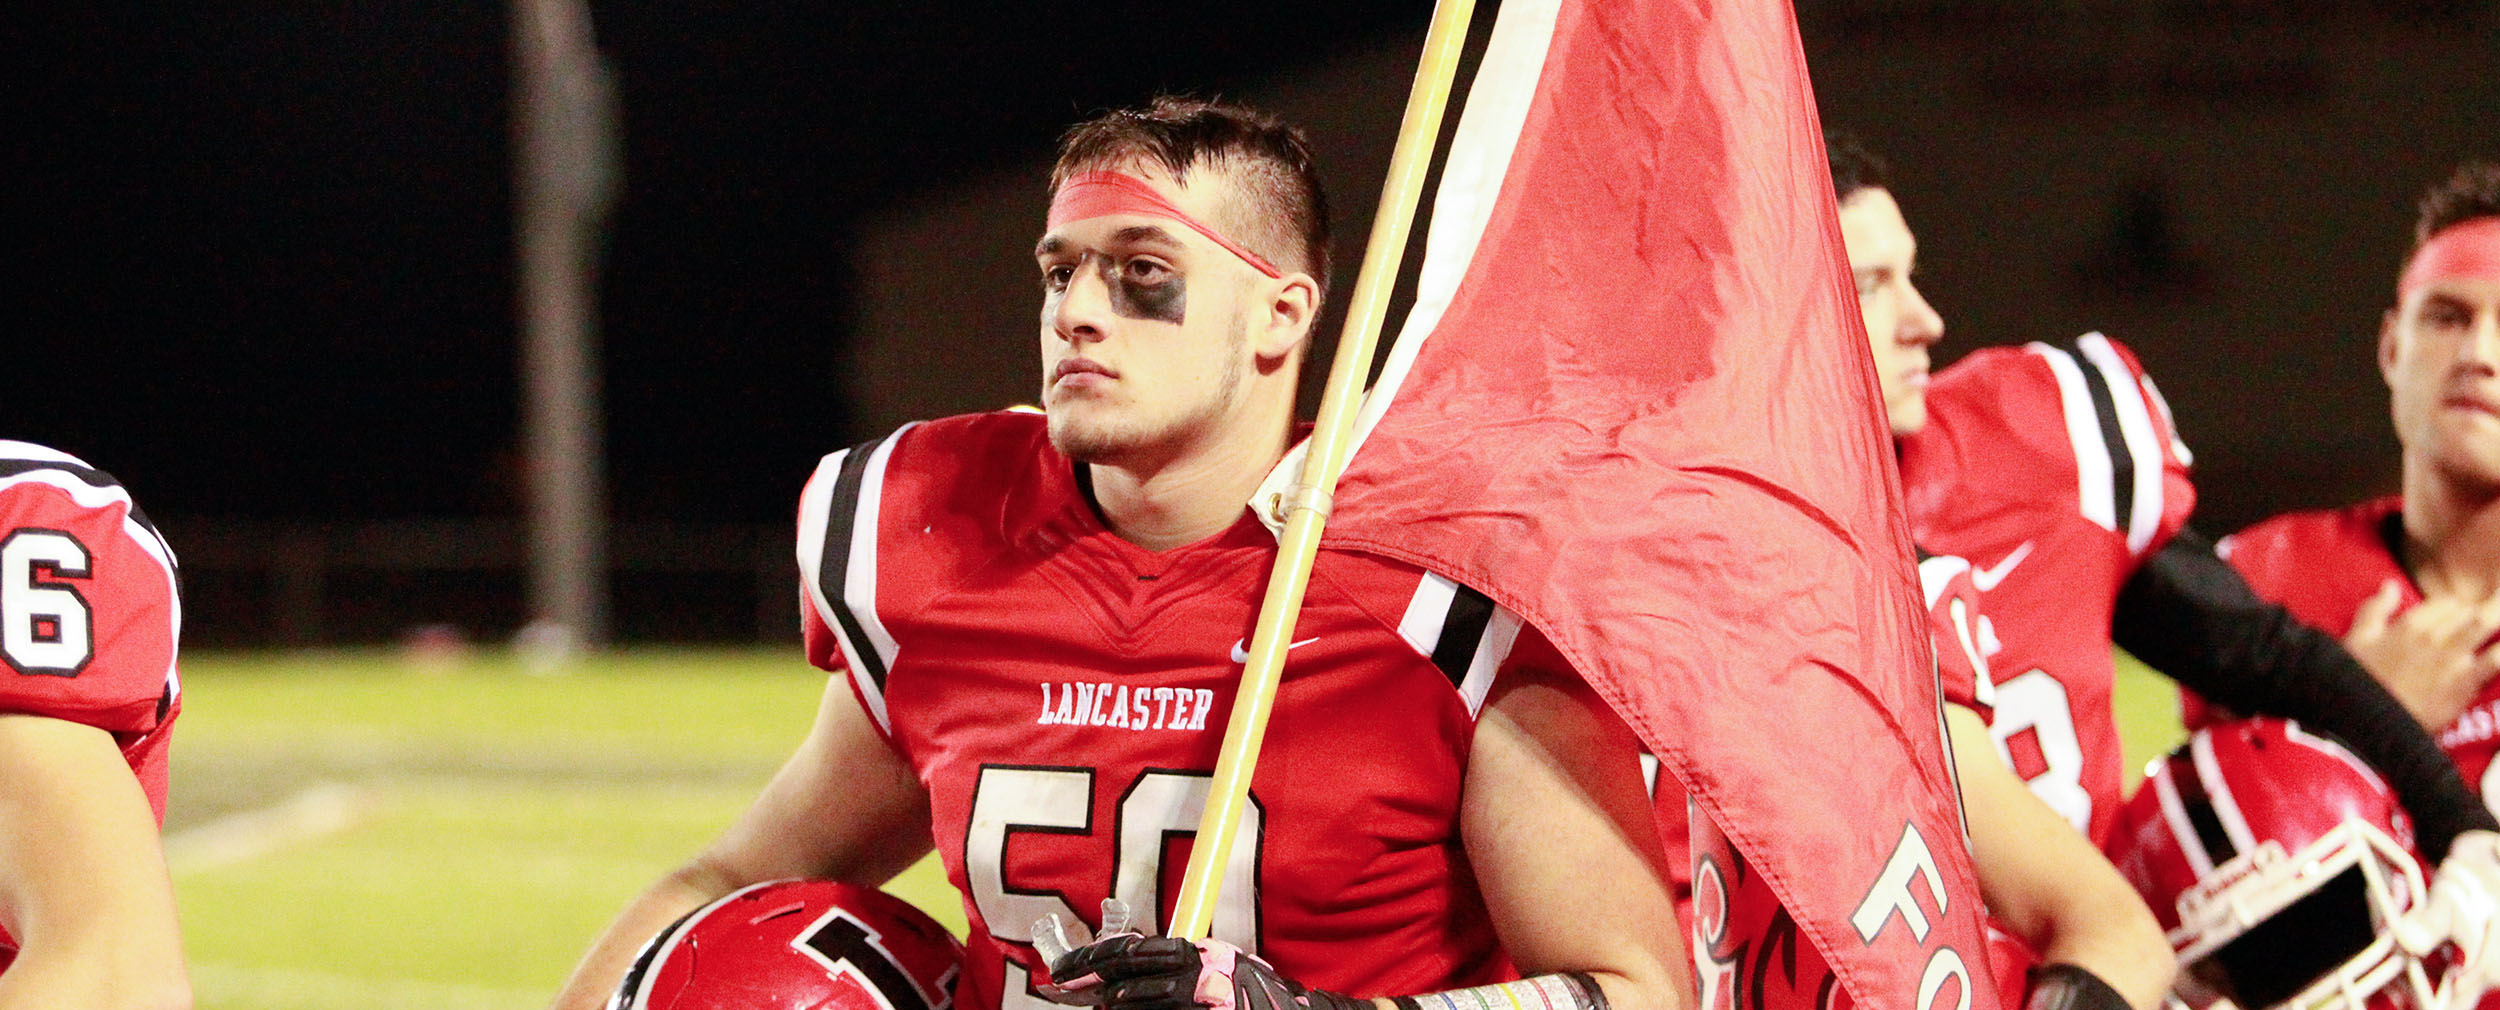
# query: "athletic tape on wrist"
2468, 249
1572, 990
1094, 194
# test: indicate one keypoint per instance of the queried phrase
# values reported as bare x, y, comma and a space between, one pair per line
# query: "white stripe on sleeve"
2083, 431
2135, 423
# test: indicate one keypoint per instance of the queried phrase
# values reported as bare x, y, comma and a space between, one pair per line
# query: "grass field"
349, 831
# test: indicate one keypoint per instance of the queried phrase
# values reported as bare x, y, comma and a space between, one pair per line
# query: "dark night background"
262, 264
267, 256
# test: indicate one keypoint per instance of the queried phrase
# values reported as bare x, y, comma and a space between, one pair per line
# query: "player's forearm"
2119, 942
2048, 885
2095, 922
1577, 889
113, 943
602, 969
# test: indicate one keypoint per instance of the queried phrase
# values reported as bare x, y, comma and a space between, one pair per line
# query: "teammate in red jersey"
1042, 618
2067, 930
89, 616
2412, 583
2056, 470
2059, 910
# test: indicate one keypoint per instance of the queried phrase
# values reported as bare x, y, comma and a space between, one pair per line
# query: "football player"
2056, 471
89, 617
1042, 617
2071, 931
2412, 582
2065, 930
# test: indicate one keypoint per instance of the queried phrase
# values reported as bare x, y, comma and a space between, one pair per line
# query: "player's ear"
1289, 307
2387, 344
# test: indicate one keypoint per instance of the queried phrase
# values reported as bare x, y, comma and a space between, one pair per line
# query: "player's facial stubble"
1120, 427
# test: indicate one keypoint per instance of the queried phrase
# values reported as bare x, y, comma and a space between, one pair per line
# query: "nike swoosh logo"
1986, 579
1241, 648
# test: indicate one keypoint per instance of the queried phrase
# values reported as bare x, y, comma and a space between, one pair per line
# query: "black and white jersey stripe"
1463, 632
838, 559
86, 484
2117, 441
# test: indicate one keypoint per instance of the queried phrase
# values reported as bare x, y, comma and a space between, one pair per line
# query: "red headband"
1094, 194
2469, 249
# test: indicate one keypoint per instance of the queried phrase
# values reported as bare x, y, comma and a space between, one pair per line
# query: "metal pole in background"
564, 178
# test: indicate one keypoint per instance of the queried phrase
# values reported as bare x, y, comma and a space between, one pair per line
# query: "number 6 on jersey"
47, 631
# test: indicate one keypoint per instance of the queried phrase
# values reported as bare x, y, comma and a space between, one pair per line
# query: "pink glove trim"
1216, 961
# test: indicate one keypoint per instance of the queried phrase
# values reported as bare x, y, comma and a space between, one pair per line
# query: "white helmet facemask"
2253, 933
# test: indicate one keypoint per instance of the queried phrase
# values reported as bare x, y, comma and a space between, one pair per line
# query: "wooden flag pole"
1306, 505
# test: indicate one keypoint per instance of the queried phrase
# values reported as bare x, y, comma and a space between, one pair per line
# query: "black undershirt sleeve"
2189, 614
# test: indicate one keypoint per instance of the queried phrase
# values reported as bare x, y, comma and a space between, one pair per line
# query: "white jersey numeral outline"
2037, 702
45, 626
1156, 806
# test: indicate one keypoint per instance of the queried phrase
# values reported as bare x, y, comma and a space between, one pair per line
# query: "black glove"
1126, 971
1132, 972
2067, 987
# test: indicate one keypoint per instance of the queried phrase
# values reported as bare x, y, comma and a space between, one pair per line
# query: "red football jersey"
89, 611
1062, 693
2321, 565
2056, 471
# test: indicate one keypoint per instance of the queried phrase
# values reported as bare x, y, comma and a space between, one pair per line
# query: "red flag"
1634, 404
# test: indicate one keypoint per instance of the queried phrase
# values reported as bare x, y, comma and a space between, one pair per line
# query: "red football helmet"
797, 945
2277, 861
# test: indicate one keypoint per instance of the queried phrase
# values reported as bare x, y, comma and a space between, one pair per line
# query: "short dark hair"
2474, 191
1280, 211
1855, 166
